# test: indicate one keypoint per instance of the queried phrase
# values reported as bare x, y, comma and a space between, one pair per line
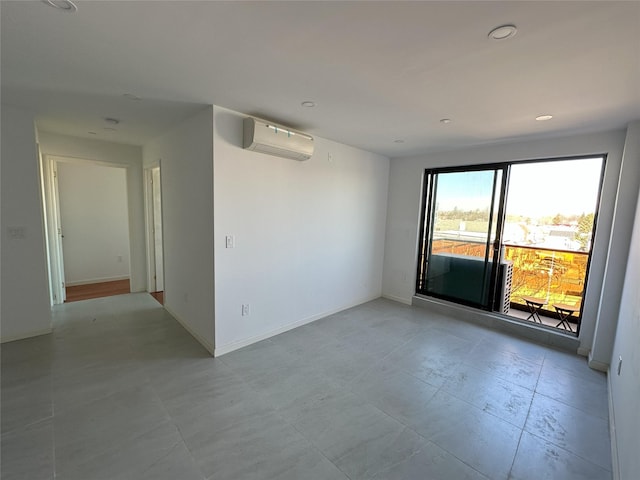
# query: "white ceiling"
378, 71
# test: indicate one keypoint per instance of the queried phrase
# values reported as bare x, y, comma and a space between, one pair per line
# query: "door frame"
54, 232
493, 255
153, 285
426, 219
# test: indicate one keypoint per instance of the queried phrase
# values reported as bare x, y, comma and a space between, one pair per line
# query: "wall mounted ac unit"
267, 137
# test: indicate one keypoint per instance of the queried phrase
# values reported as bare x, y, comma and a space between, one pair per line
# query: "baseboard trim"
406, 301
584, 352
22, 336
615, 466
97, 280
193, 333
600, 366
500, 322
230, 347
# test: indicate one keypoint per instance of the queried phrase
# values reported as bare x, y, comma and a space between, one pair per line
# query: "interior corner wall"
620, 241
308, 236
405, 188
185, 154
120, 154
625, 385
25, 309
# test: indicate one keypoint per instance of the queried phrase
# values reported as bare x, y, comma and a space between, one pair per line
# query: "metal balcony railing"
556, 276
553, 275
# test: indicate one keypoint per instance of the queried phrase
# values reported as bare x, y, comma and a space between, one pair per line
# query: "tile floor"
380, 391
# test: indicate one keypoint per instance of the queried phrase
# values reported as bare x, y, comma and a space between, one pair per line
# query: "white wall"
185, 154
405, 187
625, 388
24, 287
121, 155
309, 236
619, 241
94, 213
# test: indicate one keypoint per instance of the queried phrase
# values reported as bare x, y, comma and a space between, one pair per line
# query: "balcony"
552, 275
555, 276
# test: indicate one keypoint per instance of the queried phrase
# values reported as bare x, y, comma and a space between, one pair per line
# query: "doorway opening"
513, 238
87, 217
153, 220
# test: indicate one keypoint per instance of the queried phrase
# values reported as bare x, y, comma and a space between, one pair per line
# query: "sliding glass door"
526, 256
460, 248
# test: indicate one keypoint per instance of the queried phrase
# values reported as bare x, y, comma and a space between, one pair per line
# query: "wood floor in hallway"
97, 290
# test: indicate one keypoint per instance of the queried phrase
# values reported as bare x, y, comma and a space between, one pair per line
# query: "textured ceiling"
378, 71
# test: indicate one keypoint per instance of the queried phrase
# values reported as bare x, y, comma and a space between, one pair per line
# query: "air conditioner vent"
273, 139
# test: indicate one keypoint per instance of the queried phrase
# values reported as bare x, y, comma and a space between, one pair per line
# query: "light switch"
16, 232
230, 241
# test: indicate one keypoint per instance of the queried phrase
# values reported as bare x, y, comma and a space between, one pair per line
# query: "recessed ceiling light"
111, 120
542, 118
308, 104
62, 5
109, 129
399, 140
92, 133
503, 32
445, 120
131, 96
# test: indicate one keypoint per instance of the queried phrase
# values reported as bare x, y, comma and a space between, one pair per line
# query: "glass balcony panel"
554, 276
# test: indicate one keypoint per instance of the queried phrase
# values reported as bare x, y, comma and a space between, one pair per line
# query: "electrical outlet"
230, 241
119, 258
245, 309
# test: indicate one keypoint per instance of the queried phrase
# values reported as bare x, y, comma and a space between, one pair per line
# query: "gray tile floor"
381, 391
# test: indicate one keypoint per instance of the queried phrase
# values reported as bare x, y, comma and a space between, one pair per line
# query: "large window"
514, 238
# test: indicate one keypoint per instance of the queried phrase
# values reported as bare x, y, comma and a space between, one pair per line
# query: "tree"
585, 229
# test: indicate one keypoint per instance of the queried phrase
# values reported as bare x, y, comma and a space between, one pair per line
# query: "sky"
465, 190
536, 190
545, 189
